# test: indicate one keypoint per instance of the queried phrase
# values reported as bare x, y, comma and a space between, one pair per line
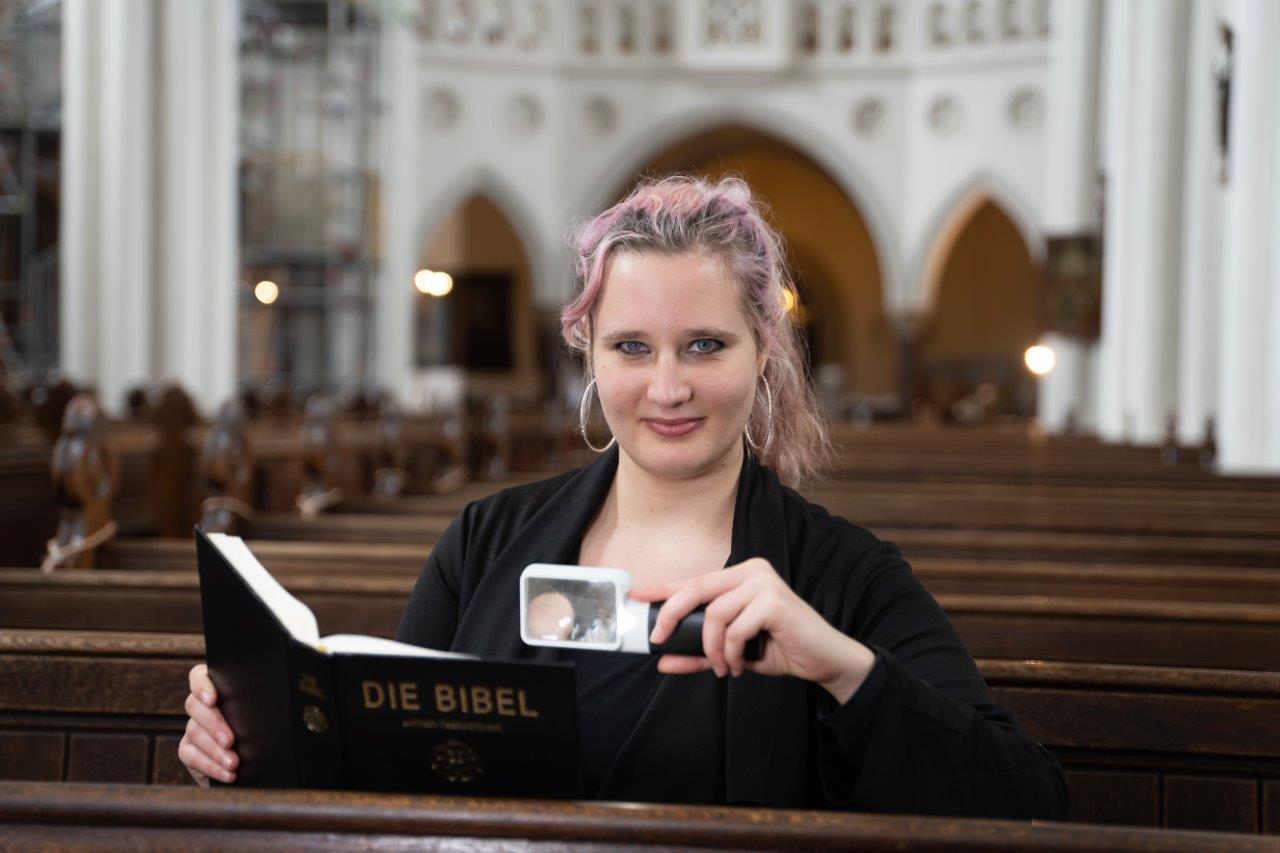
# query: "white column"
196, 237
79, 260
1249, 366
1158, 125
126, 353
1118, 40
148, 246
221, 182
107, 248
1271, 462
1201, 234
394, 312
1070, 205
1144, 223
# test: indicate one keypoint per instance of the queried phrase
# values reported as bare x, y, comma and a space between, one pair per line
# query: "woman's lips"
673, 427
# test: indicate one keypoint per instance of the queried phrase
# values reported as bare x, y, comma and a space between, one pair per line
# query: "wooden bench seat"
978, 575
43, 815
1191, 634
1147, 746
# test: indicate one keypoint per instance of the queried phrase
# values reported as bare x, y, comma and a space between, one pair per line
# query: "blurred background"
1055, 212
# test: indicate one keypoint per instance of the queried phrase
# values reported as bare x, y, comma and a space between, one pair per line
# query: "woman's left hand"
745, 600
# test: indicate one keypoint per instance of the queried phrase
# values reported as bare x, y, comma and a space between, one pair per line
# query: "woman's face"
675, 361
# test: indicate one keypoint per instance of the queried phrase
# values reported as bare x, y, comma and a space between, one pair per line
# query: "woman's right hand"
205, 748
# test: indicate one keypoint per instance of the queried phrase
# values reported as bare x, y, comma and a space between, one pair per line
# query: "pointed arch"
981, 301
958, 207
643, 146
506, 198
478, 229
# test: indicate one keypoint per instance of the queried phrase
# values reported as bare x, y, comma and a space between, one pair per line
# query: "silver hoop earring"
768, 432
582, 418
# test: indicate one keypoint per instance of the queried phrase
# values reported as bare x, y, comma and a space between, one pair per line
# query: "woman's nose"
668, 386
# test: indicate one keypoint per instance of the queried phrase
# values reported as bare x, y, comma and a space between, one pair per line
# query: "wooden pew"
900, 453
281, 557
987, 576
1189, 634
169, 602
1146, 746
43, 815
982, 576
915, 541
1017, 508
1078, 547
1116, 581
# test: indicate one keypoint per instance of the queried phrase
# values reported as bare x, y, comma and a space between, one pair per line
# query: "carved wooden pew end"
226, 465
86, 474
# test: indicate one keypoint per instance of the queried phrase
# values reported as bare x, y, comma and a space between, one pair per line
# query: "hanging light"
432, 283
442, 283
1039, 359
266, 291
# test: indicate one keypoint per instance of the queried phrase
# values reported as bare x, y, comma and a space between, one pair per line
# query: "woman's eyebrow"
624, 335
711, 333
633, 334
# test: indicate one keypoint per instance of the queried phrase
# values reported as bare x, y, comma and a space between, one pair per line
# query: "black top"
922, 735
614, 690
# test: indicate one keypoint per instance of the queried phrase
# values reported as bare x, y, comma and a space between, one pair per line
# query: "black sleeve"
431, 615
925, 737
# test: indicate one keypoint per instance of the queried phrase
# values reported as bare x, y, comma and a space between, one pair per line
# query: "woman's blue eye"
706, 346
631, 348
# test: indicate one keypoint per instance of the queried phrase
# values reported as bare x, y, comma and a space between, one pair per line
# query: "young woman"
864, 697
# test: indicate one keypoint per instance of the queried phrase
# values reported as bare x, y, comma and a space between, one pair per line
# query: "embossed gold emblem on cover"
455, 761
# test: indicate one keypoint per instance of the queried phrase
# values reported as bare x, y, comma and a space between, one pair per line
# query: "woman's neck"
703, 500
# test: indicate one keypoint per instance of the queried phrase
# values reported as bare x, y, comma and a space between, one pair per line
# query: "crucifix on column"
1222, 71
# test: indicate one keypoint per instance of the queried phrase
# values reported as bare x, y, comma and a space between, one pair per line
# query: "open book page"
360, 644
295, 616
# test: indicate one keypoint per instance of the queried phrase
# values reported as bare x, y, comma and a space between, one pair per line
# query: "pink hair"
679, 214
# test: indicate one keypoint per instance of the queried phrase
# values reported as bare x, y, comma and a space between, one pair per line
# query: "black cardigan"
933, 742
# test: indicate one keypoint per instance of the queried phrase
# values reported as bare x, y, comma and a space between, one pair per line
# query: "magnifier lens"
577, 611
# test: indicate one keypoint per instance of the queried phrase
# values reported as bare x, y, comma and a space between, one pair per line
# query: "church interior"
292, 270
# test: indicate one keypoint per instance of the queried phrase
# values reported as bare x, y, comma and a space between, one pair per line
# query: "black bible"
369, 714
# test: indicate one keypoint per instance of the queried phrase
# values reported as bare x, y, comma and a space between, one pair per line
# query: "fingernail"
206, 697
228, 776
653, 636
226, 761
224, 738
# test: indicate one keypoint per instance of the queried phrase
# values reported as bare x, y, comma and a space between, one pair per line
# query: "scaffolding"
30, 141
308, 124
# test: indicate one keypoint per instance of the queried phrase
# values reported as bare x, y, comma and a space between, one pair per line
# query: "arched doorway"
984, 312
833, 258
485, 325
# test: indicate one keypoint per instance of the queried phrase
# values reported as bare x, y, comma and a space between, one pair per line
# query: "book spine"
317, 729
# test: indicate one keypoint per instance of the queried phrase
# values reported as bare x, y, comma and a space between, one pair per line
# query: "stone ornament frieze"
731, 23
732, 35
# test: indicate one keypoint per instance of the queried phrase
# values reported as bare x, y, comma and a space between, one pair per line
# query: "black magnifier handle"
686, 639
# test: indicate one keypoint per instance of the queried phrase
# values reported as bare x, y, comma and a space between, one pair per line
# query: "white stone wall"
552, 125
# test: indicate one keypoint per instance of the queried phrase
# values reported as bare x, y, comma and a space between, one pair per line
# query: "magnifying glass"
582, 607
